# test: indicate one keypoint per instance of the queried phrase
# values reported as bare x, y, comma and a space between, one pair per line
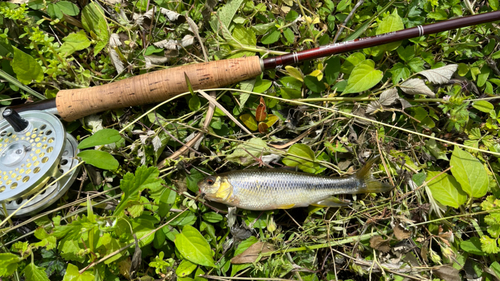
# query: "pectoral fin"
287, 206
331, 202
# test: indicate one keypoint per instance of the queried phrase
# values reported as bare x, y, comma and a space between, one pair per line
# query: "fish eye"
210, 181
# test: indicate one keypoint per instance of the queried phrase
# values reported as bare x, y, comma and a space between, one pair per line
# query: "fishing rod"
35, 149
158, 86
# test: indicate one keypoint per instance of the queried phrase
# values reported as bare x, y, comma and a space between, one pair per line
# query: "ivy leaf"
193, 246
9, 262
446, 190
363, 77
72, 274
95, 24
26, 67
101, 137
132, 185
34, 273
469, 172
99, 159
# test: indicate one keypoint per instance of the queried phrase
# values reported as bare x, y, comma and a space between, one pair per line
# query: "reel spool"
34, 151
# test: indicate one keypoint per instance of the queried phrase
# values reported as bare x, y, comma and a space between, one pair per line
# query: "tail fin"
371, 185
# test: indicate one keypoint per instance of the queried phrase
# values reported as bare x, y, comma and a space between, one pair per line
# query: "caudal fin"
371, 185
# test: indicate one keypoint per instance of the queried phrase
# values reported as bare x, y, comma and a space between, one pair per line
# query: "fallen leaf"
440, 75
416, 87
401, 233
447, 273
251, 254
378, 243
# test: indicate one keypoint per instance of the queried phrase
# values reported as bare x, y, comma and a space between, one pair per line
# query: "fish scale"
268, 189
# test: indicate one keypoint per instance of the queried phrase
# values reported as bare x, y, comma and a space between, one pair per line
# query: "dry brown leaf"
378, 243
447, 273
416, 87
401, 233
251, 254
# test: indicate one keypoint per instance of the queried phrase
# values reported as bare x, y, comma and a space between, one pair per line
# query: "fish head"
216, 188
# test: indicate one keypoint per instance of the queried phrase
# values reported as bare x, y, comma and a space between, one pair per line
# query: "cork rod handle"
155, 86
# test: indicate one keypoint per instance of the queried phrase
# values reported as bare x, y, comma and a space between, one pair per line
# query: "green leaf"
34, 273
399, 72
5, 46
193, 246
185, 268
75, 41
245, 35
249, 121
95, 24
246, 153
9, 263
225, 15
68, 8
271, 37
72, 274
54, 11
445, 189
390, 23
489, 245
193, 178
302, 156
261, 85
26, 67
351, 62
70, 250
363, 77
289, 35
99, 159
472, 246
484, 106
495, 266
101, 137
212, 217
194, 103
469, 172
132, 185
313, 84
332, 69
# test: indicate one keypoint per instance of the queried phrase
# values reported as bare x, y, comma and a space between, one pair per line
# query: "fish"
271, 189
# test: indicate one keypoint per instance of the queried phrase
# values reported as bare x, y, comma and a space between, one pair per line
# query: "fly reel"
34, 151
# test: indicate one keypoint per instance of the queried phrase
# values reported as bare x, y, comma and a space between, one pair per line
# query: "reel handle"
154, 87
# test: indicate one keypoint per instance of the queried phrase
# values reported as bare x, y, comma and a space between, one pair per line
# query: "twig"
360, 2
214, 101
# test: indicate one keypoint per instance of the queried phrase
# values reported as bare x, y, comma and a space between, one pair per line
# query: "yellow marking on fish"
225, 190
288, 206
